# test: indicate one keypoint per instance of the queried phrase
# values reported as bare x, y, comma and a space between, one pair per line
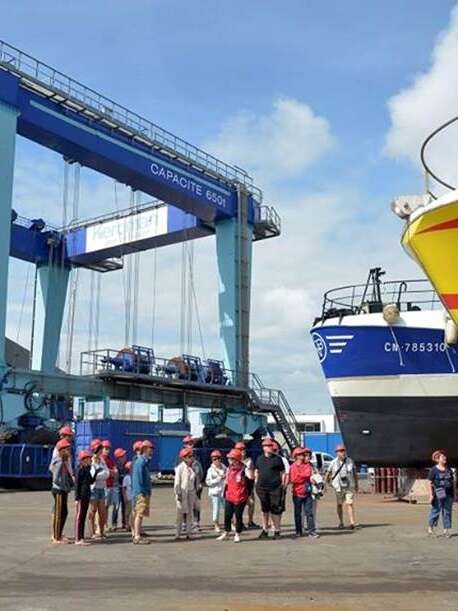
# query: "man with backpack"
343, 477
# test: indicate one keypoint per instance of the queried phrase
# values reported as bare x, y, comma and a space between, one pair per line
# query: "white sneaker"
236, 538
222, 537
217, 528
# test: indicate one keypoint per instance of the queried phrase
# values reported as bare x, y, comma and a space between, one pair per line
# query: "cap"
436, 454
66, 430
106, 443
85, 454
340, 448
63, 444
268, 441
188, 439
240, 446
119, 453
185, 452
298, 452
146, 443
128, 465
95, 443
236, 455
137, 446
216, 454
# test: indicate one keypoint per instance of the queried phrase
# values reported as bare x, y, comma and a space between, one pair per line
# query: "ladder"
275, 402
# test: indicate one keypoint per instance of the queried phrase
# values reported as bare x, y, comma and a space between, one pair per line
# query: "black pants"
231, 509
303, 505
60, 513
114, 515
82, 507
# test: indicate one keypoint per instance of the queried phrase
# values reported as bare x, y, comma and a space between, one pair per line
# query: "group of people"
102, 481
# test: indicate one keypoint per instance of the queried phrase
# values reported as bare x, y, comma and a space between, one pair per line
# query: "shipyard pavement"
389, 563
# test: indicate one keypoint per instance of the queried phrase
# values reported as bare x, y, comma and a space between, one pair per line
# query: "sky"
325, 104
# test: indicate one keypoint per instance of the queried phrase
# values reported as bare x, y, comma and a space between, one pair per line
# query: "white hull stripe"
418, 385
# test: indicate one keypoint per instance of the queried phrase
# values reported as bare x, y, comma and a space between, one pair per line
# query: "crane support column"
49, 313
233, 248
8, 124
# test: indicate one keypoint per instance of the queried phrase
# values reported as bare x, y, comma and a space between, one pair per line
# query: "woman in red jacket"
299, 476
236, 493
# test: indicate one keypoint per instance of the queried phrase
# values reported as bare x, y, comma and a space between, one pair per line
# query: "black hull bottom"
398, 431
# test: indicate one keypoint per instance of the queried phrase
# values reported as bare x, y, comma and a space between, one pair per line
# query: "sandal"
140, 541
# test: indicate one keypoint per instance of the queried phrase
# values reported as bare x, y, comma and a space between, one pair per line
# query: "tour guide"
270, 487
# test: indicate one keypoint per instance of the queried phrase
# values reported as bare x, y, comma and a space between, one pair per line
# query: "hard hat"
63, 444
128, 465
137, 445
185, 452
268, 441
216, 454
119, 453
106, 443
66, 430
85, 454
240, 446
146, 443
436, 454
236, 455
340, 448
188, 439
308, 451
298, 452
95, 443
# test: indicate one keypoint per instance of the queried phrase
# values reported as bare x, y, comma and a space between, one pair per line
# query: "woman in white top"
215, 480
98, 491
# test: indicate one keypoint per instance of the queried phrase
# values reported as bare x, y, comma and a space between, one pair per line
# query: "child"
62, 483
127, 496
118, 500
100, 473
84, 480
300, 475
216, 475
236, 494
185, 491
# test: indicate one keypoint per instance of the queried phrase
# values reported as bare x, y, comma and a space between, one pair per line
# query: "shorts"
344, 496
142, 505
98, 494
272, 501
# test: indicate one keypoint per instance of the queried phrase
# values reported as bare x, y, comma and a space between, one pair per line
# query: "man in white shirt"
343, 477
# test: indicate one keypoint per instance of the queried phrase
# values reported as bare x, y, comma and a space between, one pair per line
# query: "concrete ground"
388, 563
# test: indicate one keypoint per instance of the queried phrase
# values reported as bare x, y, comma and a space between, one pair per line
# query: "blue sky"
235, 77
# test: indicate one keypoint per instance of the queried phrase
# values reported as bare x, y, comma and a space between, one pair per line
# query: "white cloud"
428, 102
278, 144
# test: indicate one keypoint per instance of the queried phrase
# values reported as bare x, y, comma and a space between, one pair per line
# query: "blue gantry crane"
196, 195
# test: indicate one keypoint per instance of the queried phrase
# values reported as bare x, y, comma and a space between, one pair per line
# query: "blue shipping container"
322, 442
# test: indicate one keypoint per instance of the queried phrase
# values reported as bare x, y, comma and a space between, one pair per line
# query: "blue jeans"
303, 505
441, 507
217, 506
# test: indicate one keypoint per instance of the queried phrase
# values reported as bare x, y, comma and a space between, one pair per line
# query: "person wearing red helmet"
270, 486
118, 501
127, 496
141, 490
84, 479
62, 483
185, 487
215, 481
235, 494
100, 473
342, 476
188, 443
111, 466
442, 493
65, 432
251, 503
300, 476
137, 448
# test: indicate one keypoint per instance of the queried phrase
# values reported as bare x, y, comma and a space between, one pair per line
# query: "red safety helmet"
216, 454
146, 443
436, 454
236, 455
85, 454
188, 439
268, 441
298, 452
63, 444
137, 446
340, 448
66, 430
106, 443
128, 465
240, 446
308, 451
119, 453
95, 443
185, 452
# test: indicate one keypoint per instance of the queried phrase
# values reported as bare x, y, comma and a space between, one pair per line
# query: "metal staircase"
274, 402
